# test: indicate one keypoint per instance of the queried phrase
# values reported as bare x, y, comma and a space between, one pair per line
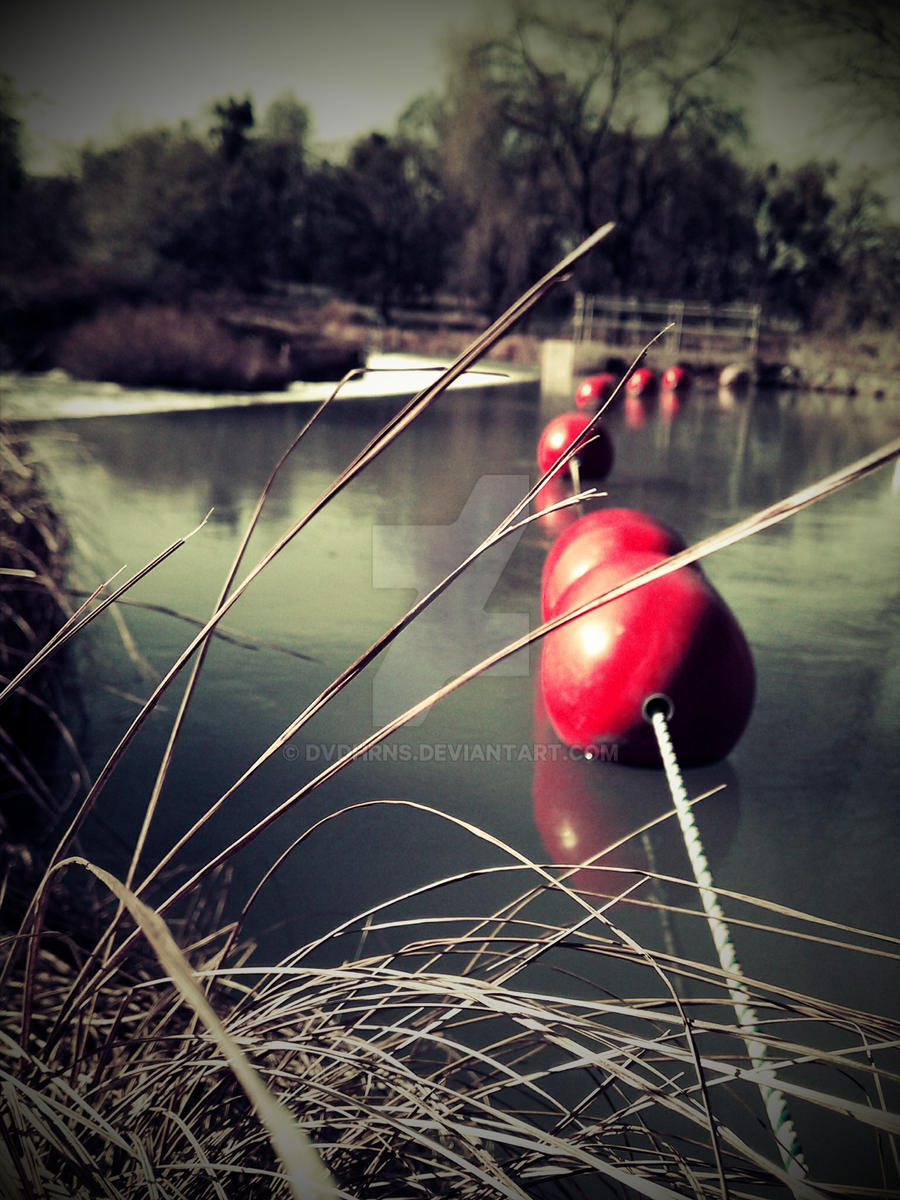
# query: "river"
808, 818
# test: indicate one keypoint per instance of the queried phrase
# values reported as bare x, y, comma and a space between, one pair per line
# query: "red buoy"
595, 457
674, 636
595, 390
600, 537
642, 382
677, 379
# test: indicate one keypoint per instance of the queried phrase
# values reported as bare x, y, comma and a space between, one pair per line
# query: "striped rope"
657, 710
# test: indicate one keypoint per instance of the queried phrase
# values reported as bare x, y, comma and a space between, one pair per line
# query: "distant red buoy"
595, 457
595, 390
600, 537
677, 379
642, 382
675, 636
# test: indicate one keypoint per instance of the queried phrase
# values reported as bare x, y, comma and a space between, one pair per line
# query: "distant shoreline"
55, 396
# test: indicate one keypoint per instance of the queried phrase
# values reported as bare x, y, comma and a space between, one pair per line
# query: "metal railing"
720, 331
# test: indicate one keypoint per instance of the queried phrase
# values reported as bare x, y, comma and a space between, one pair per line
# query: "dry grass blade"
208, 630
198, 1154
78, 621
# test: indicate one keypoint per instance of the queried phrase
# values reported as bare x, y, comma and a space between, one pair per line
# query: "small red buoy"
595, 390
677, 378
600, 537
675, 637
595, 457
642, 382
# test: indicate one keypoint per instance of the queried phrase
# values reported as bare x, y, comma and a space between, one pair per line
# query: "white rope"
657, 710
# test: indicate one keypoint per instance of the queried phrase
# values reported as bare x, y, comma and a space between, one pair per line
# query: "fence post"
755, 312
578, 319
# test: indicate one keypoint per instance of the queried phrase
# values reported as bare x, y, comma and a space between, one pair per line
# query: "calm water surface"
809, 815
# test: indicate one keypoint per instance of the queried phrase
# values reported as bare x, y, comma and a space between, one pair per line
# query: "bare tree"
851, 49
577, 105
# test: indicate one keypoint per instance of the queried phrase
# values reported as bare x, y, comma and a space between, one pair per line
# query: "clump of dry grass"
481, 1058
34, 787
536, 1051
163, 346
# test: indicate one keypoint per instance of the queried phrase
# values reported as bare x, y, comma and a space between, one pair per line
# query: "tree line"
542, 130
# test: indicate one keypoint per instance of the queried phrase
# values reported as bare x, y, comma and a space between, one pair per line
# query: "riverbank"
864, 364
35, 772
244, 352
855, 364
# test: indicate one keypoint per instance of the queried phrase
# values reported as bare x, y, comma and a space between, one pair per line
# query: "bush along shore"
143, 1052
213, 343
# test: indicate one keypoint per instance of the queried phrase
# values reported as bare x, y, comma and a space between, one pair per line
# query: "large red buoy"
642, 382
600, 537
594, 390
675, 637
595, 457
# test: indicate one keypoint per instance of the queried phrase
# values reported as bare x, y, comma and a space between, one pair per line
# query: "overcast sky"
97, 66
94, 68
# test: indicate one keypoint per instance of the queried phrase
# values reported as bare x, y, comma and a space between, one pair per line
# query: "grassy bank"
33, 605
147, 1053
